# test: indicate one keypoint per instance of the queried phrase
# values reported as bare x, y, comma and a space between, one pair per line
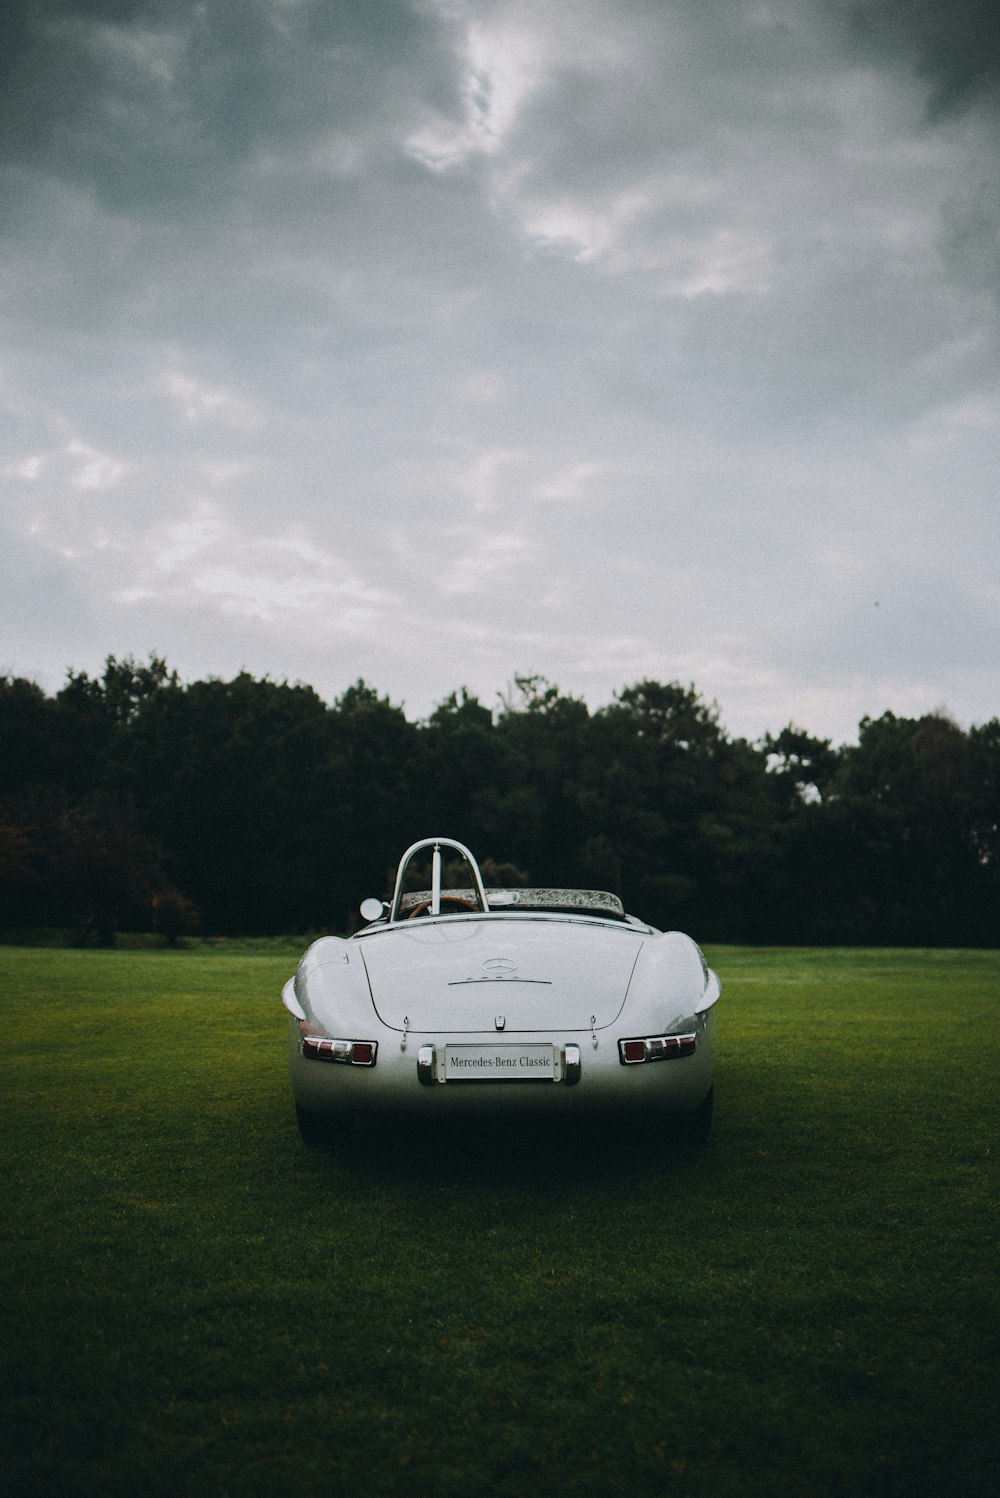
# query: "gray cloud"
438, 341
153, 102
953, 45
44, 611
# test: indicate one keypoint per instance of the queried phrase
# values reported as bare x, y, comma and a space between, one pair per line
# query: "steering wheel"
452, 900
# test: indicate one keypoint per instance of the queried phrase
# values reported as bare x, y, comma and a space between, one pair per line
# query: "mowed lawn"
192, 1303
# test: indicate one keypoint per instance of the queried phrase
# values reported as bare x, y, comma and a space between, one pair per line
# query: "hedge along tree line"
134, 801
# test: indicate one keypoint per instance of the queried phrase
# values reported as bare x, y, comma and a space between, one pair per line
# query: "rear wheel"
314, 1129
695, 1127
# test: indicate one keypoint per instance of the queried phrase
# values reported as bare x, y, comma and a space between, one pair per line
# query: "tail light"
348, 1052
656, 1048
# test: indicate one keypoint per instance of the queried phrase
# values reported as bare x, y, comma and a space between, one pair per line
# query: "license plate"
500, 1063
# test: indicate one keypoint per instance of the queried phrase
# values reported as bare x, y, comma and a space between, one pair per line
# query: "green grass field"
194, 1304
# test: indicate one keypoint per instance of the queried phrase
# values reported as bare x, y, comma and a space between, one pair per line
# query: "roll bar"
436, 844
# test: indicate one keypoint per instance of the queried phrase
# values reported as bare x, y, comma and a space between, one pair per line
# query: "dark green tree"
532, 814
462, 766
269, 810
375, 770
890, 856
230, 777
679, 811
805, 767
105, 868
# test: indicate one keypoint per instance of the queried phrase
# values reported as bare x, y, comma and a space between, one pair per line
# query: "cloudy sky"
432, 341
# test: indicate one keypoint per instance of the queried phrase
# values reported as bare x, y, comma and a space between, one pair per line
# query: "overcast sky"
432, 341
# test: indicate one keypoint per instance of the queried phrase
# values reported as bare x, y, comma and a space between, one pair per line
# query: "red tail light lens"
656, 1048
347, 1052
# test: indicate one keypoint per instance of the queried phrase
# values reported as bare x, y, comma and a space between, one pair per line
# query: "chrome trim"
571, 1065
497, 978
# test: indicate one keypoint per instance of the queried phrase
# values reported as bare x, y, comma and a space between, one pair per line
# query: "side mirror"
373, 909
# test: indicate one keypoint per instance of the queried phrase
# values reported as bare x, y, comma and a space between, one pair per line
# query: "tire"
695, 1127
315, 1130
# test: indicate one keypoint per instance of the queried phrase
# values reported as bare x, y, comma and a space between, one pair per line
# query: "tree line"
131, 800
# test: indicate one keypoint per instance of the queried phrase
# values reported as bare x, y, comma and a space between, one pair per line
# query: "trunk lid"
545, 973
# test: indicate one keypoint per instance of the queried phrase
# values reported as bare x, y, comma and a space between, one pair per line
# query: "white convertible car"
456, 999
